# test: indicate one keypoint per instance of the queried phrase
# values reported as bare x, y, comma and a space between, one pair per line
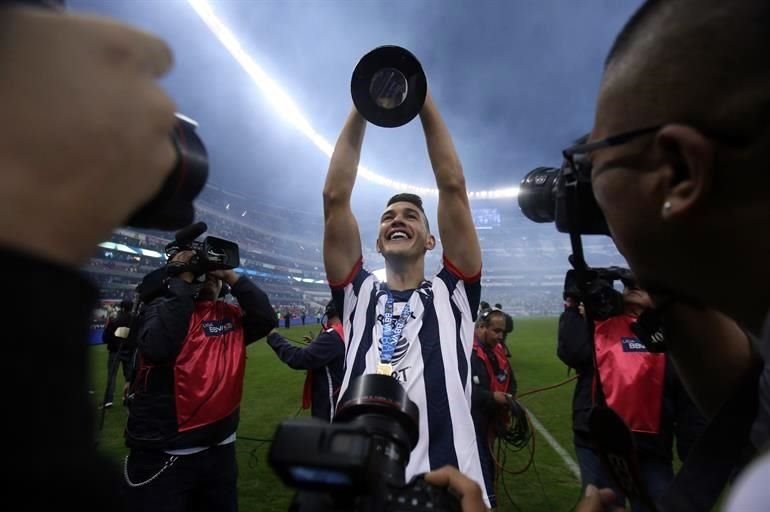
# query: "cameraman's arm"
165, 322
258, 315
323, 350
710, 351
574, 347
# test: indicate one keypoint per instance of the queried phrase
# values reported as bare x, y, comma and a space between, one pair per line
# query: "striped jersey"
431, 359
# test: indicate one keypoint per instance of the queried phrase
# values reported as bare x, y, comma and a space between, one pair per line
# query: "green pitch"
272, 392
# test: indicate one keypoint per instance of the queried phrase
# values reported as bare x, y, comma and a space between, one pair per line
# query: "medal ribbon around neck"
391, 330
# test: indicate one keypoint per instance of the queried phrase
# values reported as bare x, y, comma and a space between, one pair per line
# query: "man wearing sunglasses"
678, 161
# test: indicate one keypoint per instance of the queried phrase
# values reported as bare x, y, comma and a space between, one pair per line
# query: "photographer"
83, 143
186, 396
118, 348
642, 387
322, 358
681, 138
494, 388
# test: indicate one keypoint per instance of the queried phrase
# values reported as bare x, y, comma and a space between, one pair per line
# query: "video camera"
211, 254
358, 462
600, 296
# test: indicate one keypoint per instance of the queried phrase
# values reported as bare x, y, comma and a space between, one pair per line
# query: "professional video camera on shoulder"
210, 254
358, 462
600, 295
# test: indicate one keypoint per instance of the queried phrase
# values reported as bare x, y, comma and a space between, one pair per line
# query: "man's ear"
688, 164
430, 243
377, 245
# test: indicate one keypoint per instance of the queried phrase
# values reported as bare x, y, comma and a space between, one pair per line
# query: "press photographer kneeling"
184, 406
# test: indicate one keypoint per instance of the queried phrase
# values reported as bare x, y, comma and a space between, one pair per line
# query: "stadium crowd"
289, 266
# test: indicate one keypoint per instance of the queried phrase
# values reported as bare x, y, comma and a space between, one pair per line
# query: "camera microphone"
186, 235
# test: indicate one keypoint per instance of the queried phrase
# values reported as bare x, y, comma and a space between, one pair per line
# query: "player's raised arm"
455, 223
342, 240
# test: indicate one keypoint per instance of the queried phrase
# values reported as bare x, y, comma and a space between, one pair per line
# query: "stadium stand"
280, 250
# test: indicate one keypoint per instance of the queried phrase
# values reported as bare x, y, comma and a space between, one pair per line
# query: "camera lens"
378, 405
172, 207
537, 194
381, 395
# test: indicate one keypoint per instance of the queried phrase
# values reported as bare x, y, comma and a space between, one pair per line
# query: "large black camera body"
545, 194
211, 253
565, 197
598, 293
358, 462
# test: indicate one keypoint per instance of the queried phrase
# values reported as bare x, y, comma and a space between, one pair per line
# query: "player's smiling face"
403, 231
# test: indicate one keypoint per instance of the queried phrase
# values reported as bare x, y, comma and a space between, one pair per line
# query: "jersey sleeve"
464, 290
345, 293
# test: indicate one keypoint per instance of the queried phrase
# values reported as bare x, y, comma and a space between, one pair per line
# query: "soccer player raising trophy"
418, 331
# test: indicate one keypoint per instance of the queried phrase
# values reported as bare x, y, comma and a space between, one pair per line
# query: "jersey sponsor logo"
401, 375
632, 345
217, 327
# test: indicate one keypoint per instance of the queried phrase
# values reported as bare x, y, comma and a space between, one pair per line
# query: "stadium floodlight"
286, 107
112, 246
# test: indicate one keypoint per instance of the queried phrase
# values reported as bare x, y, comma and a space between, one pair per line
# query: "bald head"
690, 196
697, 61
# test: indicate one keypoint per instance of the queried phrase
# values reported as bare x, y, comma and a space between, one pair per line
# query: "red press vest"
209, 370
631, 376
502, 363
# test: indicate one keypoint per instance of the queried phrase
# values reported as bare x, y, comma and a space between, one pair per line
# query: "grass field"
272, 393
